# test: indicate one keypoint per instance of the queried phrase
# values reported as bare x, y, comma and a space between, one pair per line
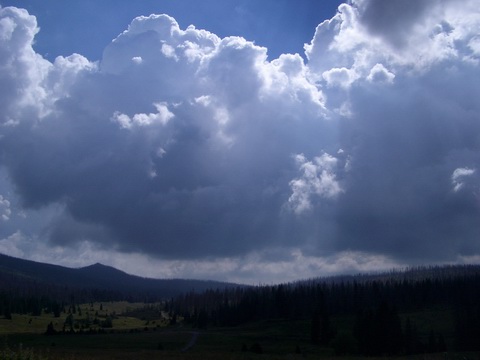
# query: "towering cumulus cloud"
186, 146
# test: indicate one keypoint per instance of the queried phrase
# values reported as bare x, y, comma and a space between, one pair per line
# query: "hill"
412, 311
409, 274
26, 276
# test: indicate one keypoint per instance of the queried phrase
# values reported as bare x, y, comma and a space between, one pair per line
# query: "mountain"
32, 276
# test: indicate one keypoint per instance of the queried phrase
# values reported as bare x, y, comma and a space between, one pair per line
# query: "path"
192, 341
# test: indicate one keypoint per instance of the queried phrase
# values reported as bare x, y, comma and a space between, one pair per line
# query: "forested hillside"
415, 311
28, 286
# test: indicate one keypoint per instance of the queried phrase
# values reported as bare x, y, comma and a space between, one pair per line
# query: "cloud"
162, 117
269, 267
12, 245
394, 21
404, 36
183, 180
460, 176
400, 75
379, 73
318, 178
5, 211
197, 150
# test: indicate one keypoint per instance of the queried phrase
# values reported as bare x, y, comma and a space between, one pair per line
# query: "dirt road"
192, 341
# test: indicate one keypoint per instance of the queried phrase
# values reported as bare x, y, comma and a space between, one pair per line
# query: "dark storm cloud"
168, 148
400, 189
393, 19
183, 145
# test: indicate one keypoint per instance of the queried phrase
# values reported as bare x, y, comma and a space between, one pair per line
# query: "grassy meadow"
84, 319
142, 331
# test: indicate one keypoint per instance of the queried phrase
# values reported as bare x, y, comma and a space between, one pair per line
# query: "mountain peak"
97, 276
98, 267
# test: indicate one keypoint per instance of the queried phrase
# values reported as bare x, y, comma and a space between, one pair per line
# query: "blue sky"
270, 141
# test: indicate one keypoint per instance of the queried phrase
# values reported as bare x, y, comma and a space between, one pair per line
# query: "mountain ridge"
96, 276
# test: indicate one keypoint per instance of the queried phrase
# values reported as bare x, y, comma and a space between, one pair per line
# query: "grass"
28, 324
441, 320
25, 324
141, 332
212, 344
20, 354
278, 339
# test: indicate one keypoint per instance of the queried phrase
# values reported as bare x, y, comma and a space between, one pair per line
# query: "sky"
245, 141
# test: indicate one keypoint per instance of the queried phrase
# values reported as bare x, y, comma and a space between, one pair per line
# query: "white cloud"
162, 117
169, 51
287, 77
62, 76
474, 44
7, 27
379, 73
158, 41
22, 69
137, 59
342, 77
318, 179
13, 245
459, 176
5, 211
413, 37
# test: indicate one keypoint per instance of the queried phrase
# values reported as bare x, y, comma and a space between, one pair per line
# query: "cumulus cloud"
162, 117
318, 178
380, 74
194, 148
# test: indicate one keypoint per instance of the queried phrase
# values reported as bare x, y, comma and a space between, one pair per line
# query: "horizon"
340, 276
240, 142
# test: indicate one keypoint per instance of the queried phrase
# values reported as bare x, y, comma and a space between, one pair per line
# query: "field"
139, 331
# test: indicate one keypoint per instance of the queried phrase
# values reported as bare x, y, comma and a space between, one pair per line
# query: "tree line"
375, 304
378, 306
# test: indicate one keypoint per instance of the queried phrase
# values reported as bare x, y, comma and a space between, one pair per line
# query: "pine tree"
408, 338
315, 328
432, 343
50, 329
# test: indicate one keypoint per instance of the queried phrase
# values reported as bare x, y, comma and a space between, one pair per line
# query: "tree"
7, 314
322, 330
408, 338
441, 344
467, 327
432, 343
256, 348
344, 344
173, 320
107, 323
202, 319
379, 332
56, 309
315, 328
69, 321
50, 329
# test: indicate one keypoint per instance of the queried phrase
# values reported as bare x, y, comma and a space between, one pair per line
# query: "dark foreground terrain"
277, 340
422, 313
257, 341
